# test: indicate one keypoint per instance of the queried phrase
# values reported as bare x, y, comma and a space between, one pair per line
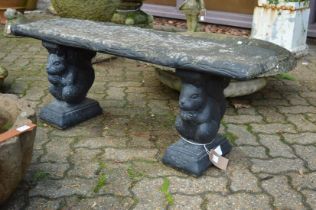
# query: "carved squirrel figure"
70, 73
202, 106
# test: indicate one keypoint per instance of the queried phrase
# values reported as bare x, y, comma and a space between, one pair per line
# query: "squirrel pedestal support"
71, 76
202, 106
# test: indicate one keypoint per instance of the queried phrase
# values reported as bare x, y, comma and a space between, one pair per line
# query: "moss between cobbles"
249, 128
165, 190
285, 76
40, 176
101, 182
133, 174
231, 137
102, 177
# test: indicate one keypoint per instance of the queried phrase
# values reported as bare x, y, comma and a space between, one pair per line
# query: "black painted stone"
63, 115
70, 72
202, 106
193, 159
233, 57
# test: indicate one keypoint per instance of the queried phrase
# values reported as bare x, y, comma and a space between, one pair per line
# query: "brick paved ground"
113, 161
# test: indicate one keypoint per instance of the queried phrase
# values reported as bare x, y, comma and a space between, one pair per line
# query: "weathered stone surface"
101, 142
41, 203
242, 119
15, 152
99, 203
58, 150
92, 10
276, 147
301, 123
149, 195
236, 57
243, 180
140, 140
129, 154
300, 138
307, 153
185, 202
84, 163
118, 180
63, 188
254, 151
284, 196
270, 114
238, 201
196, 186
277, 165
270, 102
244, 137
51, 170
297, 109
310, 198
304, 181
273, 128
156, 169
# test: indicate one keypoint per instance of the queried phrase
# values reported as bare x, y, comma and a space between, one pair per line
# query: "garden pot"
98, 10
130, 4
16, 152
31, 4
3, 75
129, 13
14, 4
283, 23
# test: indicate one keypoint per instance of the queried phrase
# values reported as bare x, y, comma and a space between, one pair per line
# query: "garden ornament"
193, 9
13, 17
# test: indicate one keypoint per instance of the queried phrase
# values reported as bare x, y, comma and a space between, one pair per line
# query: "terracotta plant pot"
14, 4
99, 10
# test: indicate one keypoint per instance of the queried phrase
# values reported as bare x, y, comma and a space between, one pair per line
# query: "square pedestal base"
191, 158
63, 115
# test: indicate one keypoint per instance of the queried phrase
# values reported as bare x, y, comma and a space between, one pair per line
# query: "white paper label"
215, 159
23, 128
218, 150
202, 18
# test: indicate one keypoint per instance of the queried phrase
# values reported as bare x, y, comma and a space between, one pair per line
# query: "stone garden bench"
205, 67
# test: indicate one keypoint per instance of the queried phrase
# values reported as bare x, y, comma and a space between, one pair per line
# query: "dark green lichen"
99, 10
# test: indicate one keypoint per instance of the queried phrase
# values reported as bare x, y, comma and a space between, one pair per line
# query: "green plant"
133, 174
285, 76
165, 190
40, 175
231, 137
101, 183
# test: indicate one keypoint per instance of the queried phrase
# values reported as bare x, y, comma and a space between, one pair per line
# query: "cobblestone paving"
113, 161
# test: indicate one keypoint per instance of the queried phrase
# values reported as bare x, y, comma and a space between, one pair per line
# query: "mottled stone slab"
234, 57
